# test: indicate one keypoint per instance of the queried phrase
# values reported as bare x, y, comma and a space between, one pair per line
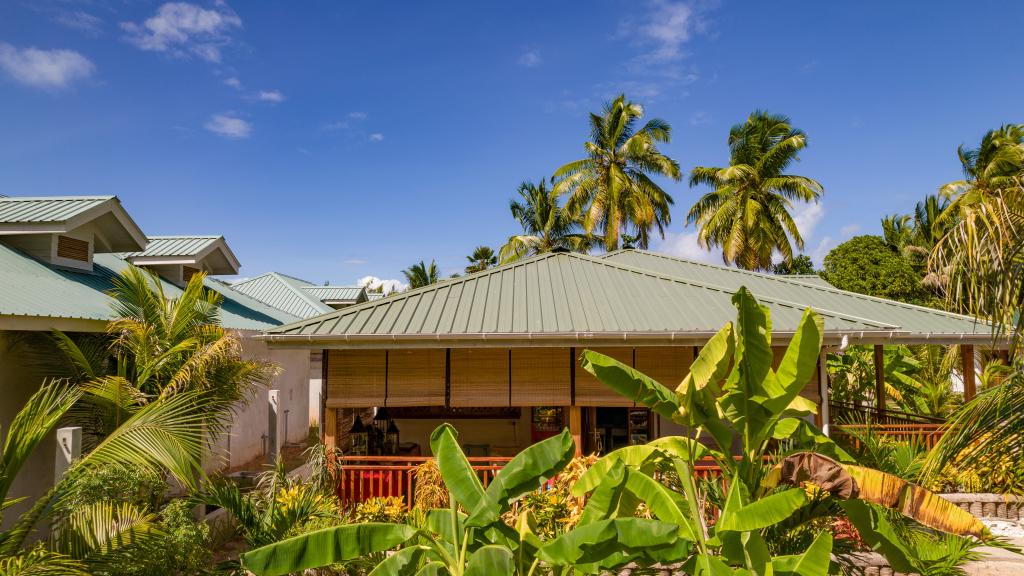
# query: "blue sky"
336, 140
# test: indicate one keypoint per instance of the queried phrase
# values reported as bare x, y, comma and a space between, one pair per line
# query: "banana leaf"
325, 547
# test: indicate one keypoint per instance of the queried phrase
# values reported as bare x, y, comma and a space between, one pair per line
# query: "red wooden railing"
363, 477
927, 435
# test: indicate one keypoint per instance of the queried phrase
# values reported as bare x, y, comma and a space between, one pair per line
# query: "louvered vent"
72, 248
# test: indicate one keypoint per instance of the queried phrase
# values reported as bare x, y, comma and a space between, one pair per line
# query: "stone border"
1002, 506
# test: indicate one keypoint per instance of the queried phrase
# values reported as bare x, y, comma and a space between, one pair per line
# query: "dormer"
67, 230
338, 297
177, 258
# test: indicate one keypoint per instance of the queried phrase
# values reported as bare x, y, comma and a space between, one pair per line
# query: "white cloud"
351, 119
389, 285
700, 118
807, 216
274, 96
233, 82
376, 137
685, 245
849, 230
358, 115
669, 27
44, 68
81, 21
181, 29
354, 261
824, 246
229, 126
529, 59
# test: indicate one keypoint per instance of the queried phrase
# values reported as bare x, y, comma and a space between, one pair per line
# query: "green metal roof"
916, 320
371, 296
569, 297
30, 288
176, 246
284, 293
337, 293
812, 279
36, 209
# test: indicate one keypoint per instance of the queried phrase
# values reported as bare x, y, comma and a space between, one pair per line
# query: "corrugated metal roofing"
32, 288
175, 246
25, 209
557, 294
910, 318
371, 296
812, 279
335, 293
284, 293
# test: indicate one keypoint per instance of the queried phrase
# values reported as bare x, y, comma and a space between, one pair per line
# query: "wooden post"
69, 449
576, 428
967, 366
330, 428
879, 380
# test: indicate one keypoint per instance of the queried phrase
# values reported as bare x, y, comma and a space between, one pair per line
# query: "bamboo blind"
666, 364
479, 377
540, 377
592, 392
355, 378
416, 378
72, 248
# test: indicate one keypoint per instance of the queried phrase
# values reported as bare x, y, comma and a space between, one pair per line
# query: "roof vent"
560, 250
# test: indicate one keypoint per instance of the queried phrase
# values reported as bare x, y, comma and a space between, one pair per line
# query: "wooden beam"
576, 428
967, 366
879, 380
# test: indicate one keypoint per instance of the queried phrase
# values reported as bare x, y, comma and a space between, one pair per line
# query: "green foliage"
800, 264
481, 259
420, 274
546, 225
389, 509
747, 212
115, 483
611, 188
867, 265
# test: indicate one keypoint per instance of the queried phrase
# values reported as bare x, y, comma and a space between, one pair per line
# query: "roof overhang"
47, 323
115, 229
601, 339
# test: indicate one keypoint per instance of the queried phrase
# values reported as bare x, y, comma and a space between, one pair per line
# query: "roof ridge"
571, 255
760, 297
55, 198
183, 236
783, 278
389, 299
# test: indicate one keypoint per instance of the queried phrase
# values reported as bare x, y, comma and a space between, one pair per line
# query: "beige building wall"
245, 442
17, 384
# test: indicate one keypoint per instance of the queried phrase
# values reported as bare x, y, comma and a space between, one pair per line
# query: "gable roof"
61, 214
354, 294
565, 298
919, 321
285, 293
30, 289
812, 279
189, 251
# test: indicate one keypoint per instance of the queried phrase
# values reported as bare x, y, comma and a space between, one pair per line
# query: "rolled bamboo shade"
355, 378
541, 377
479, 377
592, 392
416, 377
666, 364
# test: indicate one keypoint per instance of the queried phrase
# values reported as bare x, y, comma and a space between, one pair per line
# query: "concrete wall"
17, 383
245, 442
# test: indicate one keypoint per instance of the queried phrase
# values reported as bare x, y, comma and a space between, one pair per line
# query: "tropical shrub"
867, 265
140, 487
429, 490
381, 509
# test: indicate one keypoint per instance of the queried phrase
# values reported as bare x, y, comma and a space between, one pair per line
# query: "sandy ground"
999, 562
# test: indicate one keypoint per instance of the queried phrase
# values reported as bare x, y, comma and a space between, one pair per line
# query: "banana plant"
733, 397
471, 537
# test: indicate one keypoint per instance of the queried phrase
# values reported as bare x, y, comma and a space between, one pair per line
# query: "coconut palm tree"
546, 224
612, 187
161, 347
420, 275
991, 166
481, 259
748, 212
